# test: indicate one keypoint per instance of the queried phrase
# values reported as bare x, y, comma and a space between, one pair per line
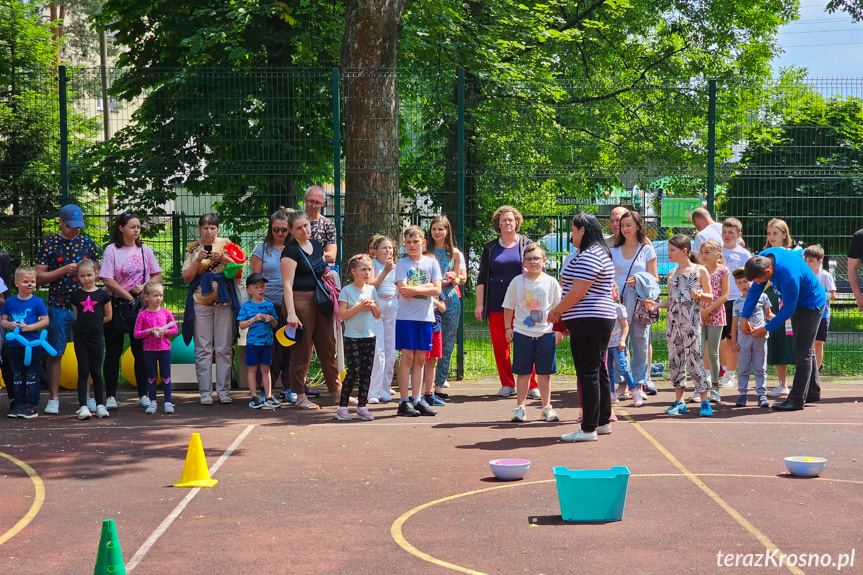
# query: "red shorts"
437, 346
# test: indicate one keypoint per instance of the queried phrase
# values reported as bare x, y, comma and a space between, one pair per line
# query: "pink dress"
149, 319
718, 315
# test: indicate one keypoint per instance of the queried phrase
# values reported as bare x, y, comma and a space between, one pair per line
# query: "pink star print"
88, 304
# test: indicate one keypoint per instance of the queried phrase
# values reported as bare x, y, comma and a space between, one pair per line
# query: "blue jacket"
793, 282
227, 294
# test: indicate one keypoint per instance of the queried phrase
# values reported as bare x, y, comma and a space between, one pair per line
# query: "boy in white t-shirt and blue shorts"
418, 280
530, 297
735, 256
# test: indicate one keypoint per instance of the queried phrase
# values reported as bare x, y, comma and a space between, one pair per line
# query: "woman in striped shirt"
588, 310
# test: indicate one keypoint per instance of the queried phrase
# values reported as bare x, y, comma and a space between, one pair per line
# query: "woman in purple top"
127, 265
501, 262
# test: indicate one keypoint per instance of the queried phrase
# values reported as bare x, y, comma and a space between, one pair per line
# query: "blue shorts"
60, 328
259, 355
415, 335
533, 352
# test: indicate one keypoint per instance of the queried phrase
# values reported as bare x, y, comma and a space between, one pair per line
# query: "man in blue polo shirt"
802, 299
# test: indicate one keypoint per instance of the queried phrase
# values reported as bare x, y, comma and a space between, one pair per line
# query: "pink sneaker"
613, 417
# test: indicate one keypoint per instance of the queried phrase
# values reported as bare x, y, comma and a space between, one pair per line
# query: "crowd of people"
727, 313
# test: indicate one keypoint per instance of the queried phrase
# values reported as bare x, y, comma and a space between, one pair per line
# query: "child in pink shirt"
154, 325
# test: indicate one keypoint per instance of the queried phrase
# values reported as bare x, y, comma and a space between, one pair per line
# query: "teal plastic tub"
592, 494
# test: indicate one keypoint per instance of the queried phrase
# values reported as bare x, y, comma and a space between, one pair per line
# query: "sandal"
306, 403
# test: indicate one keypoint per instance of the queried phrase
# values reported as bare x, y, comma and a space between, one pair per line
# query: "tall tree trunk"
371, 120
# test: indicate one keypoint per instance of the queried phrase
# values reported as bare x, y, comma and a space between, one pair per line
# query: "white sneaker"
151, 408
373, 400
91, 404
506, 391
579, 436
533, 394
696, 397
604, 429
101, 411
714, 396
637, 398
169, 407
518, 414
53, 406
614, 398
144, 401
727, 381
548, 414
445, 383
619, 393
111, 403
778, 391
83, 413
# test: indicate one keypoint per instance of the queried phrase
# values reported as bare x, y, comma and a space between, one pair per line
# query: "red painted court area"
299, 492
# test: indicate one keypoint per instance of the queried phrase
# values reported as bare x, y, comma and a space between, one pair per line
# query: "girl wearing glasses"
267, 261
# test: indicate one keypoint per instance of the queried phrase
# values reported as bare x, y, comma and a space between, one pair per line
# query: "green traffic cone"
110, 557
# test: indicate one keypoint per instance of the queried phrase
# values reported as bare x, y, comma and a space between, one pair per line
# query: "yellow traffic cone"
195, 472
110, 557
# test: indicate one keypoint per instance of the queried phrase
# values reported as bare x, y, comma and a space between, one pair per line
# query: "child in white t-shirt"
530, 297
358, 308
418, 280
814, 256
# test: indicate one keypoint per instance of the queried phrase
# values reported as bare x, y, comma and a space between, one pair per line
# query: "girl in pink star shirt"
92, 307
154, 325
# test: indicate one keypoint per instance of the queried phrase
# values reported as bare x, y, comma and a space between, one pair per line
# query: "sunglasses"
280, 230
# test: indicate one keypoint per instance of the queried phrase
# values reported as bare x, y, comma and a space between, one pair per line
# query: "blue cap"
72, 216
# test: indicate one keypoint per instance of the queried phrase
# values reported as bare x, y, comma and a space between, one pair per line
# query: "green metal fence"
174, 145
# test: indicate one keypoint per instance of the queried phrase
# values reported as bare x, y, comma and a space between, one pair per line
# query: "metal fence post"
64, 136
711, 145
460, 225
337, 164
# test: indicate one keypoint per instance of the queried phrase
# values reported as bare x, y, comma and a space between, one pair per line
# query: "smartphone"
208, 248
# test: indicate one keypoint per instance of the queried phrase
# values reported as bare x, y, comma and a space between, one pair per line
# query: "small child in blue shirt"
259, 317
29, 315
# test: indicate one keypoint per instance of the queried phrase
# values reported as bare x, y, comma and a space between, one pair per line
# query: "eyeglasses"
532, 260
314, 203
280, 230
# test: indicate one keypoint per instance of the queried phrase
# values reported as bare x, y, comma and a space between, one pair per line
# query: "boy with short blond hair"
735, 256
418, 280
814, 256
29, 315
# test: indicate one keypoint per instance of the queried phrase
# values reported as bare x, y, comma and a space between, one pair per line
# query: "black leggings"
158, 365
113, 353
359, 357
89, 350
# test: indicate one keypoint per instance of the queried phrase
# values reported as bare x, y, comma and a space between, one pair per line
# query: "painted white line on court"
154, 536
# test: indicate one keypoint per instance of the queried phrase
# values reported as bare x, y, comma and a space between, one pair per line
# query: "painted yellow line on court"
38, 499
763, 539
398, 536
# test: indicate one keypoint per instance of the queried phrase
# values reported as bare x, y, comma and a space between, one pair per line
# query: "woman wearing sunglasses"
267, 261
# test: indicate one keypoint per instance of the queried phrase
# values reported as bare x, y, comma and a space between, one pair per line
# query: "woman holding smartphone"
213, 311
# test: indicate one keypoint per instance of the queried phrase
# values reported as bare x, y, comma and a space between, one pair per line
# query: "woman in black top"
302, 265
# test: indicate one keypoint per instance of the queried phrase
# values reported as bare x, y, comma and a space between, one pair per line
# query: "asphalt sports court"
299, 492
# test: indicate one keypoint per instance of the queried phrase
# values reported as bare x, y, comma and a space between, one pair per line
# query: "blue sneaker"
706, 410
677, 408
291, 397
434, 400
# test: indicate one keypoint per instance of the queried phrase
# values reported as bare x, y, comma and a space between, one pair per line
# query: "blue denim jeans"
25, 378
617, 364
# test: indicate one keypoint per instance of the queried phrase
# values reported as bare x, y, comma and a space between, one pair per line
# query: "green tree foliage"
29, 119
531, 134
853, 8
802, 164
219, 114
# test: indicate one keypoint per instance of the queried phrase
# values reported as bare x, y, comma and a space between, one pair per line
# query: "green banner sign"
677, 212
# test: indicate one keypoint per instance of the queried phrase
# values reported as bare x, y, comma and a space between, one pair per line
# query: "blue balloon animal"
15, 335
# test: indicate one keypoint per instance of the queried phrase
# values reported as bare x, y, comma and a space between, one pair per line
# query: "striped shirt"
595, 266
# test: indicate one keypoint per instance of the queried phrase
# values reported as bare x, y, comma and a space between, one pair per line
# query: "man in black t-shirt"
855, 253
